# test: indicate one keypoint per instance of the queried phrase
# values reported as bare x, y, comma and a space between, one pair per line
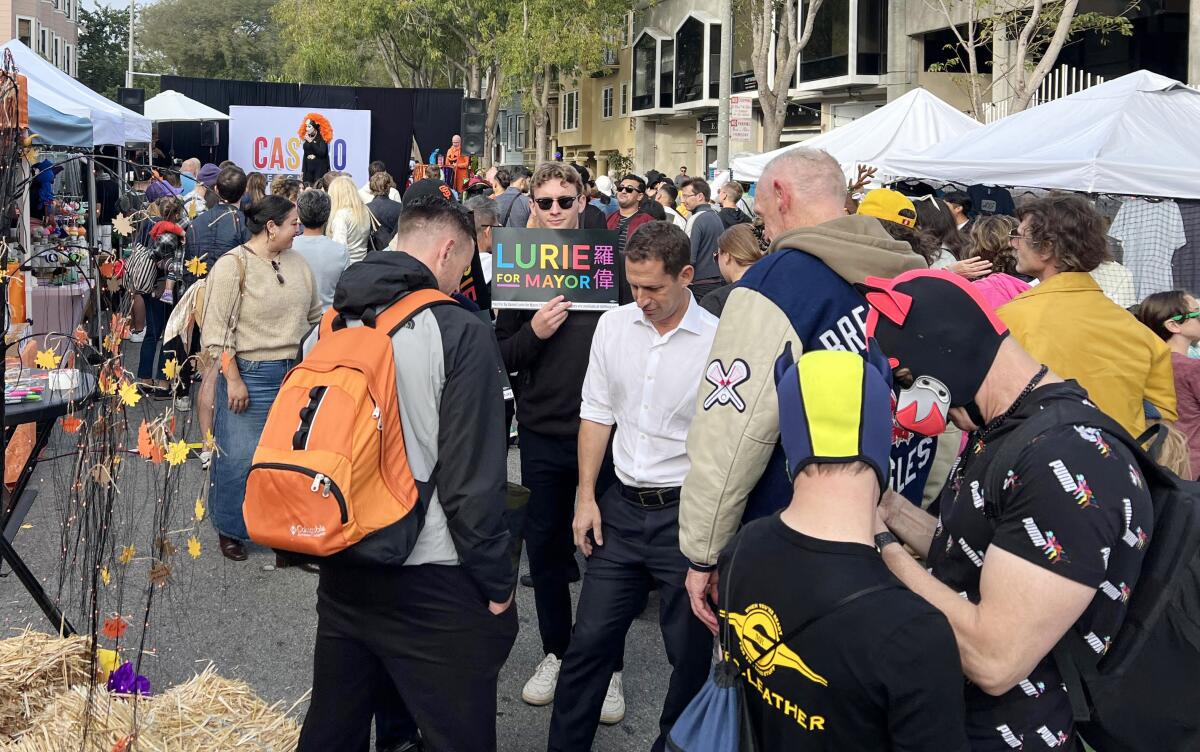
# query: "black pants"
427, 631
640, 552
550, 470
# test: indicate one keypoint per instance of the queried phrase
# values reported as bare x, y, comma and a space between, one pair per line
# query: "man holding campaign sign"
547, 351
280, 140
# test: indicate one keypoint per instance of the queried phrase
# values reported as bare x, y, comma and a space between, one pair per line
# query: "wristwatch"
885, 539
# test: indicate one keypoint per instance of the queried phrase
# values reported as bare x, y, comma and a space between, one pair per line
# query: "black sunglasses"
564, 202
628, 189
275, 266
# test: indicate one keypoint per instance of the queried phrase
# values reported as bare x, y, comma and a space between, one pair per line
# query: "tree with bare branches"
778, 41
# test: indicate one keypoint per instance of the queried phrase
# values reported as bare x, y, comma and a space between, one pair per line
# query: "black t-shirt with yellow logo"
881, 673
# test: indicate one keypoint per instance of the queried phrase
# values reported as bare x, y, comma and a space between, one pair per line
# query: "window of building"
57, 48
69, 61
43, 41
941, 49
828, 52
644, 83
742, 66
872, 38
689, 61
68, 7
666, 74
606, 102
522, 134
25, 31
570, 111
624, 99
714, 61
57, 4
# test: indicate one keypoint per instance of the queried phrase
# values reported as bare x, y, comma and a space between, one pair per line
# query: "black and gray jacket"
448, 377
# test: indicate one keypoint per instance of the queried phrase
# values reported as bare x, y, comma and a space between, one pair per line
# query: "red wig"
322, 124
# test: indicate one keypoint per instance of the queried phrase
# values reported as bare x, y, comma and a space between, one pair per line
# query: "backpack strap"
402, 311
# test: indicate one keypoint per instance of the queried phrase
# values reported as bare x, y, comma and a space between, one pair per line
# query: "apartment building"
48, 27
658, 92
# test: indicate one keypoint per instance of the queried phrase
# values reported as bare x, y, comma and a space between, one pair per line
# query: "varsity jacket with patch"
800, 293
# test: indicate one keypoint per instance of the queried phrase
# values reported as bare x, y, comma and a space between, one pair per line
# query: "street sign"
741, 118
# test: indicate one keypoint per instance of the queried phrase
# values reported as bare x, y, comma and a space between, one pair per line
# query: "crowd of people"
737, 435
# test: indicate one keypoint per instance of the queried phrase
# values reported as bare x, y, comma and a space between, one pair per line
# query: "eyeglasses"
1015, 235
564, 202
278, 276
1185, 316
628, 189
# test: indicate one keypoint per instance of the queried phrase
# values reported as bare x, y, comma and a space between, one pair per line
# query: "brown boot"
232, 548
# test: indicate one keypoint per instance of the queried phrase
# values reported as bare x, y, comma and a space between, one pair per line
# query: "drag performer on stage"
317, 134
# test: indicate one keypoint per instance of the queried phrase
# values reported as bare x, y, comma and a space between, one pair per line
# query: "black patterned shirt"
1075, 504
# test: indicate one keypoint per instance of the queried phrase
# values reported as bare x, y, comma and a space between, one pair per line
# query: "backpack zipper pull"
328, 484
316, 484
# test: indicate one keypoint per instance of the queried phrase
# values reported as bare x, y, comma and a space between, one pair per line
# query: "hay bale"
34, 668
206, 713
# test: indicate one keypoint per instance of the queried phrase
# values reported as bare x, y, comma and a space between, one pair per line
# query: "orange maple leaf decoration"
122, 744
81, 336
148, 448
114, 627
71, 423
119, 326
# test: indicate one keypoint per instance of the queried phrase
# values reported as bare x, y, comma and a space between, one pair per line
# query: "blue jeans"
237, 437
157, 313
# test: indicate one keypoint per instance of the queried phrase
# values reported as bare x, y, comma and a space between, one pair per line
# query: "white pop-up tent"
173, 107
912, 122
1133, 135
111, 124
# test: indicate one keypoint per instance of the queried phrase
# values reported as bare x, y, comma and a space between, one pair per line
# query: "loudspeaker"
210, 134
132, 99
474, 123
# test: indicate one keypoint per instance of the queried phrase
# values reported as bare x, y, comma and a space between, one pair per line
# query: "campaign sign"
529, 267
268, 140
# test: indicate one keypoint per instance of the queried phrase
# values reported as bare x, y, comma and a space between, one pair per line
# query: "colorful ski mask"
935, 324
834, 407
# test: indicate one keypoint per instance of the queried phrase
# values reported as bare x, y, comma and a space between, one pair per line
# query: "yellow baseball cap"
883, 203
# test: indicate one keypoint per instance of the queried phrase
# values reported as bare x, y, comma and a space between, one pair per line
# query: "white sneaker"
184, 404
137, 336
539, 690
613, 710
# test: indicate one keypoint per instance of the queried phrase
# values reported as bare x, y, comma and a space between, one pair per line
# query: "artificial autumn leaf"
166, 548
127, 554
107, 661
112, 343
123, 743
114, 627
108, 384
102, 475
81, 336
177, 452
199, 510
145, 442
47, 359
193, 545
129, 394
171, 369
159, 574
197, 267
119, 325
122, 225
105, 577
71, 423
210, 441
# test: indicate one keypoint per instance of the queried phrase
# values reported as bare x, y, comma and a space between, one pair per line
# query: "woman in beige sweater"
261, 301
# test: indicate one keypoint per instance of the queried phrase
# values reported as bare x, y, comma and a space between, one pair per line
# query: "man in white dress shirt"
643, 376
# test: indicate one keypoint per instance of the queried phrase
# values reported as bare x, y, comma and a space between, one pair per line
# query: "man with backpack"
423, 603
1044, 522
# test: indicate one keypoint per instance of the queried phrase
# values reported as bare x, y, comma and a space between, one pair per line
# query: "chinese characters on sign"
530, 267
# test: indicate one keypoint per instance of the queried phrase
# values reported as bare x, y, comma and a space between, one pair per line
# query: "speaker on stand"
473, 126
132, 99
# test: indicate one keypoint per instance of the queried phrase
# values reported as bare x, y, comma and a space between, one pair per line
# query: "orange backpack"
331, 467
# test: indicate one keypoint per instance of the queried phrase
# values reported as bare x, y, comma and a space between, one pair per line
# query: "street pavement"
258, 624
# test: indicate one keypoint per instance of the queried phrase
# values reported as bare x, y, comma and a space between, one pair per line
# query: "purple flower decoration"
124, 681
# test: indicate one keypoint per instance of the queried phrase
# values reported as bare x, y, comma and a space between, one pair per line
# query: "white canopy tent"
914, 121
1133, 135
112, 124
173, 107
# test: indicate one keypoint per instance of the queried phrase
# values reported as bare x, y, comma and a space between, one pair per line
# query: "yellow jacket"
1067, 323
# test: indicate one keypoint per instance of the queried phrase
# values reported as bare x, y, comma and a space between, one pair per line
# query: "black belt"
649, 497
